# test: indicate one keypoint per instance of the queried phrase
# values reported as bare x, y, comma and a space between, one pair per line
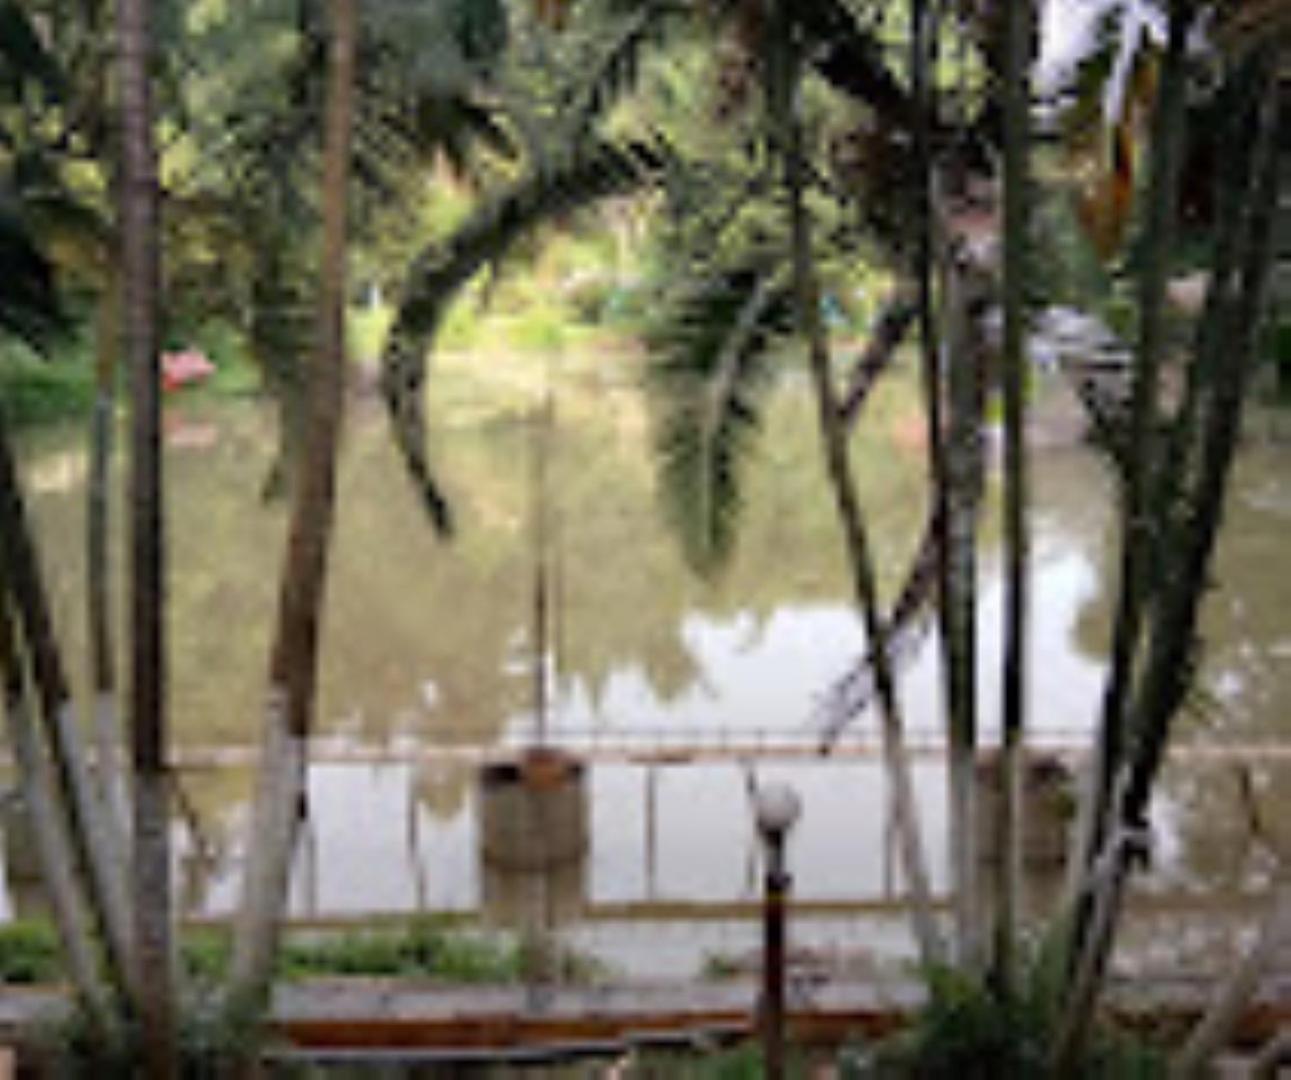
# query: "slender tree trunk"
294, 663
98, 574
886, 335
141, 277
1017, 103
957, 653
961, 360
105, 881
1138, 536
1231, 996
38, 787
781, 84
1190, 538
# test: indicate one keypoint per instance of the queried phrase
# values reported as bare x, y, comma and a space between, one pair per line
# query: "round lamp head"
776, 807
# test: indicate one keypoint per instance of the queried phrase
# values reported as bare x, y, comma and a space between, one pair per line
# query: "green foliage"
618, 68
33, 390
965, 1030
713, 362
210, 1045
29, 953
425, 948
487, 237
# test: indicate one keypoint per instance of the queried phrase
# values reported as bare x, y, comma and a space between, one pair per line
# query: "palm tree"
293, 666
714, 342
141, 257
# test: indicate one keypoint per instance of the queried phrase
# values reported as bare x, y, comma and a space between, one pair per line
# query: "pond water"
427, 663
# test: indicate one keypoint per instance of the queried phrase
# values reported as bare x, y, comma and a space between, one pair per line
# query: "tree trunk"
294, 663
1017, 103
1226, 361
1216, 1027
105, 881
140, 285
37, 786
782, 80
960, 490
1139, 538
98, 575
956, 648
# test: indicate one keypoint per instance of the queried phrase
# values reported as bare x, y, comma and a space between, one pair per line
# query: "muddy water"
429, 645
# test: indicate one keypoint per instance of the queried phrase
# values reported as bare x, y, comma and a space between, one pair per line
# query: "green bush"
424, 948
29, 953
965, 1031
34, 390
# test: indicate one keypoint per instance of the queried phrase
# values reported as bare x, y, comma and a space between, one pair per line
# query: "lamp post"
776, 808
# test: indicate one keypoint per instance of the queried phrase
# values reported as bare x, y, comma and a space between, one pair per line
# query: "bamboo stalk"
1016, 495
957, 647
781, 82
1139, 536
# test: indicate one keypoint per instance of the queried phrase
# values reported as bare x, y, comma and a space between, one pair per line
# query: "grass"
423, 948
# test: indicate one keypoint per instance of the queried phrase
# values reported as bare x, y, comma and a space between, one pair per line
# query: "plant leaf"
600, 170
712, 366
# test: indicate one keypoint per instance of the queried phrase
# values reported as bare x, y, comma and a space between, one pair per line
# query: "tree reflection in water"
427, 643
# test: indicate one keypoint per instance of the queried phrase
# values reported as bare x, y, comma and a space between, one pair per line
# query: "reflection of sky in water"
423, 638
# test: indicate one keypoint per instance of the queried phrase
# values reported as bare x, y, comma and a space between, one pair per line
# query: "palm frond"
849, 56
712, 366
615, 73
436, 276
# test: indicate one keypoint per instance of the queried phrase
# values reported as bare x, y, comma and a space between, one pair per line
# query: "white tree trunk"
266, 884
1232, 995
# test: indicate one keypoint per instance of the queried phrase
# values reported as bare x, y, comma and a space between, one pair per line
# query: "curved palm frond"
713, 365
616, 71
265, 150
435, 277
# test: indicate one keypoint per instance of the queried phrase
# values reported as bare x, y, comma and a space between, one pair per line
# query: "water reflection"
426, 646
